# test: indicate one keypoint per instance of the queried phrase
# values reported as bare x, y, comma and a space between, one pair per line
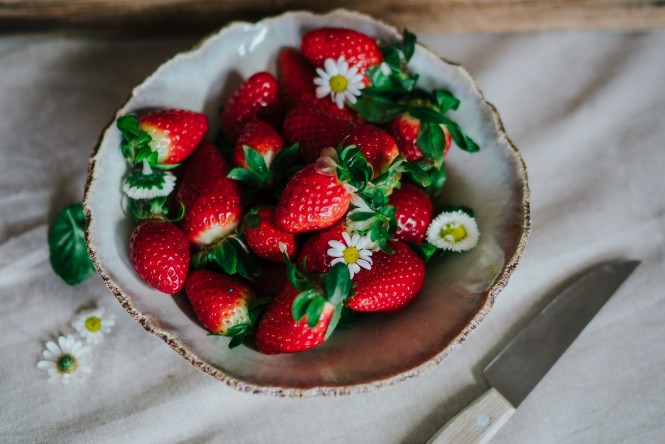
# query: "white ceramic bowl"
382, 349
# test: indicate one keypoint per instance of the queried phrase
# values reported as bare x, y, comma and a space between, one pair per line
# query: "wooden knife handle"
477, 423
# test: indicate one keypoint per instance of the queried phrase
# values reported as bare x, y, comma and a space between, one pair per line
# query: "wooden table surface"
197, 17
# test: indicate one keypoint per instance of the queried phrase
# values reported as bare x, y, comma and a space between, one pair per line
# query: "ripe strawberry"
311, 201
404, 130
314, 251
315, 130
257, 97
265, 239
212, 201
260, 136
357, 49
220, 302
160, 254
175, 133
278, 332
272, 280
413, 212
296, 85
392, 283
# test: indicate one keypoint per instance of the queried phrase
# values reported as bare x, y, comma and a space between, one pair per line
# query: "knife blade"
527, 358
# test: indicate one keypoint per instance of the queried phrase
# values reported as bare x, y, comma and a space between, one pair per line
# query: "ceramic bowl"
382, 349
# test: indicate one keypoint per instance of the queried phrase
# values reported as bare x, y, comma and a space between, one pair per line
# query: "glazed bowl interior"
382, 349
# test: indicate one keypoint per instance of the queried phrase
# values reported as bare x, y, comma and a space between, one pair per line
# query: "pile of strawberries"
314, 202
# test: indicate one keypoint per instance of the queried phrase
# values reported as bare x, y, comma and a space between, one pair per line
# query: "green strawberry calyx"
136, 143
239, 331
154, 209
148, 183
348, 164
266, 175
316, 291
231, 255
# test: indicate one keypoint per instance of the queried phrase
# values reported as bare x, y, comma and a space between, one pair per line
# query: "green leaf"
128, 125
377, 109
283, 160
253, 219
301, 303
427, 115
417, 173
245, 176
438, 177
237, 334
67, 249
314, 310
338, 284
408, 44
431, 140
425, 250
257, 308
226, 257
393, 57
255, 160
462, 141
334, 321
360, 216
446, 100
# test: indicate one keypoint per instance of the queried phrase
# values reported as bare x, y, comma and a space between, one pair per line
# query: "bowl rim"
325, 390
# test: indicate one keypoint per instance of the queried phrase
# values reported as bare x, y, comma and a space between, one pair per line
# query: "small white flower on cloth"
453, 231
68, 360
93, 325
341, 82
353, 252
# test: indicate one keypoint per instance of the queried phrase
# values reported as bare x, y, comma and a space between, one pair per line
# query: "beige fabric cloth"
587, 110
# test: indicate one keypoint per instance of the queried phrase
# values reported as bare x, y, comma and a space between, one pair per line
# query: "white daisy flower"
454, 231
353, 252
92, 325
68, 360
148, 183
341, 82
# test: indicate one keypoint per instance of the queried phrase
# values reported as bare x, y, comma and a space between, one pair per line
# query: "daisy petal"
337, 244
347, 238
321, 73
331, 67
363, 263
334, 252
339, 260
339, 101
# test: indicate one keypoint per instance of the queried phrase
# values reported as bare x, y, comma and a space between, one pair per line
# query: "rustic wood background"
198, 17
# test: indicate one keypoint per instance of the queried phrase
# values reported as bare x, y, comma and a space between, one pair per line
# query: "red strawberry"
260, 136
392, 283
266, 239
256, 97
314, 251
413, 212
278, 332
160, 254
404, 129
296, 85
311, 201
272, 280
212, 201
175, 133
357, 49
315, 130
220, 301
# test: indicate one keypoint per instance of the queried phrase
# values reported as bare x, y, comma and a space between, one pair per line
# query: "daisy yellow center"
456, 231
93, 324
338, 83
67, 364
351, 255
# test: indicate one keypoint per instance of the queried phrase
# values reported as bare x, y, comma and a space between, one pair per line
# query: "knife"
518, 368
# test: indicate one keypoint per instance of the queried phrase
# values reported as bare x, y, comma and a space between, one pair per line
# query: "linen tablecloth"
587, 110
